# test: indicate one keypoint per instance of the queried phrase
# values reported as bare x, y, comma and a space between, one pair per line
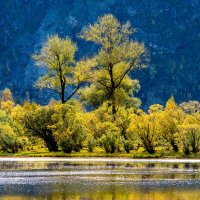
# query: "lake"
99, 178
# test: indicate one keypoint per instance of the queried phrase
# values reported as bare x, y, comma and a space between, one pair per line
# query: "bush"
127, 145
78, 136
66, 145
91, 143
110, 142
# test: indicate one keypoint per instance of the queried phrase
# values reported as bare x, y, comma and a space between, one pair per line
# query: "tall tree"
61, 70
118, 55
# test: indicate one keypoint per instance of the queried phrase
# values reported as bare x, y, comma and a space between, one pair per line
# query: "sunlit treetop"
118, 55
61, 69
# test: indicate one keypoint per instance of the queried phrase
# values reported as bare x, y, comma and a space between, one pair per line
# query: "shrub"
91, 143
67, 145
110, 140
128, 145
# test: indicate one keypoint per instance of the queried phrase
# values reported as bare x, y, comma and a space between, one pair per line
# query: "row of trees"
70, 127
97, 106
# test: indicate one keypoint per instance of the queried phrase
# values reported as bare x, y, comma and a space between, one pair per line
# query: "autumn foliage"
95, 105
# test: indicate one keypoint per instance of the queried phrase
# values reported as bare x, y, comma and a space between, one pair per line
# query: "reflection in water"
101, 191
175, 166
150, 165
110, 179
187, 165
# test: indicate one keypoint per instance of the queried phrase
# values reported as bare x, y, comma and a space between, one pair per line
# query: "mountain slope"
170, 30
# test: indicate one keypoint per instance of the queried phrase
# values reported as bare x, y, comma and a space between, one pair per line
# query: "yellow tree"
11, 134
169, 121
118, 55
36, 121
7, 106
145, 126
61, 71
69, 125
6, 95
189, 134
6, 101
106, 131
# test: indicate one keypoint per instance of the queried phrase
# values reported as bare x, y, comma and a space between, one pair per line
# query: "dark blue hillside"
170, 30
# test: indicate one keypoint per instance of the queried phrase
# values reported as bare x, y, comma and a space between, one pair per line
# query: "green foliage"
37, 123
128, 145
91, 143
9, 139
110, 138
66, 144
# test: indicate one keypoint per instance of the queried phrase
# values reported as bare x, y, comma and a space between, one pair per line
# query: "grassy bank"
98, 152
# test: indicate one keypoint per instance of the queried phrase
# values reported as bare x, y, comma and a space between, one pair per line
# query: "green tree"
111, 137
110, 133
62, 74
118, 55
37, 123
123, 120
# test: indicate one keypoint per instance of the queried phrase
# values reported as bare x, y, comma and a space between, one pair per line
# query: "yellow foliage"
17, 113
7, 106
117, 57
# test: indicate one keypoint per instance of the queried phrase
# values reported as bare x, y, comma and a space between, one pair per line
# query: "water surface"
99, 178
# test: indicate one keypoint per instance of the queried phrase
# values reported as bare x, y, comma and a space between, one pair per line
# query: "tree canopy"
62, 73
117, 56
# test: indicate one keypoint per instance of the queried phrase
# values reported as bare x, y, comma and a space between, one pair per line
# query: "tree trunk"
149, 147
150, 150
174, 146
113, 104
50, 142
63, 94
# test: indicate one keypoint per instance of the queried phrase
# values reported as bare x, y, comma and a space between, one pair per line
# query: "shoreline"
100, 159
